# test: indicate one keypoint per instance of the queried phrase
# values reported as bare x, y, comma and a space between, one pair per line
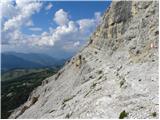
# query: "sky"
56, 28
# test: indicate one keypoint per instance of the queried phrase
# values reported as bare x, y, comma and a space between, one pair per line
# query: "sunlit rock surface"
116, 73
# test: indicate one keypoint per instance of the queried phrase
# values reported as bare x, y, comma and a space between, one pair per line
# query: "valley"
18, 84
21, 74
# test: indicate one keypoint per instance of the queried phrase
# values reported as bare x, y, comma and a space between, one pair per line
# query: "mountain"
12, 60
42, 59
114, 76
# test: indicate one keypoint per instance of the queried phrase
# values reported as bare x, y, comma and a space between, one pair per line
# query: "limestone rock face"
115, 74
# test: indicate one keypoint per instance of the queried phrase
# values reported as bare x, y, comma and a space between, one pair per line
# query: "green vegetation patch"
123, 114
154, 114
17, 85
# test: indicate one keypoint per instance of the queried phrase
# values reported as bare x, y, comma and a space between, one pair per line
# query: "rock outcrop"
114, 76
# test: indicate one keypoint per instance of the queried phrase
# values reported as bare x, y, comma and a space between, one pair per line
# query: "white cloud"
30, 23
24, 9
69, 34
49, 6
61, 33
35, 29
14, 16
61, 17
42, 40
8, 9
86, 25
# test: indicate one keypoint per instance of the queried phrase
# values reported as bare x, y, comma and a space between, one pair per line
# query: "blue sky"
77, 10
55, 28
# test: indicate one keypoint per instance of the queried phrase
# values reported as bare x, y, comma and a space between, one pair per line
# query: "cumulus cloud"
88, 25
70, 31
61, 17
8, 9
49, 6
16, 14
25, 9
61, 33
44, 39
68, 34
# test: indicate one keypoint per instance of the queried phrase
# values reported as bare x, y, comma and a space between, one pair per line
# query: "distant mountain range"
14, 60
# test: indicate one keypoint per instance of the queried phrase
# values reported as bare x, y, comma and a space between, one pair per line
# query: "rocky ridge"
114, 76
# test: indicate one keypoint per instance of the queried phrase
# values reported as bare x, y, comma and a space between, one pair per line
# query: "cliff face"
115, 75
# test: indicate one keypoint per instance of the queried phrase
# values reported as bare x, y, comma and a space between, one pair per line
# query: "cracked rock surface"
115, 74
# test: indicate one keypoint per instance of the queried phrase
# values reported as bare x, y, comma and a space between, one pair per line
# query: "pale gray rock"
116, 71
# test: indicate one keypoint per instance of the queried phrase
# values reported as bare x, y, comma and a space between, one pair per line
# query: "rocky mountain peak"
114, 76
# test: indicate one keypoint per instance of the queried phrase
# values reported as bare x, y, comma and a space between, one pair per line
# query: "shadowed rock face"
114, 76
122, 11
